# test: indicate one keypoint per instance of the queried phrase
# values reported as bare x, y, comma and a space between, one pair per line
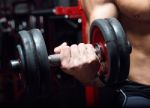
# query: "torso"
135, 18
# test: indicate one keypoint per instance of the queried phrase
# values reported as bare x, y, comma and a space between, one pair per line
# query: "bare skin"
136, 20
76, 60
134, 15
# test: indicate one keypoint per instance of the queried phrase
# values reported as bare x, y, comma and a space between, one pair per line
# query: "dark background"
66, 91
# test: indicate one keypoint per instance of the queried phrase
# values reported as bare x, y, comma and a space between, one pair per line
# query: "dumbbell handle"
54, 59
15, 64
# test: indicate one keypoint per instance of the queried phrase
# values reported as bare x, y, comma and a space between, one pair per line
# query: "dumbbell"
111, 46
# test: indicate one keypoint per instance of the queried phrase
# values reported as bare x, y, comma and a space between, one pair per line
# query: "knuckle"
64, 48
74, 46
81, 44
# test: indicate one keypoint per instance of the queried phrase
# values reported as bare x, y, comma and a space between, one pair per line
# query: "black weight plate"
20, 56
114, 62
102, 33
105, 28
30, 74
124, 49
42, 60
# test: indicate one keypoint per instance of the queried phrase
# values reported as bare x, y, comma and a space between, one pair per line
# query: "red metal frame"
74, 12
71, 12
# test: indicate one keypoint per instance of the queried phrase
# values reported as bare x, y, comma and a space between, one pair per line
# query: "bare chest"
135, 18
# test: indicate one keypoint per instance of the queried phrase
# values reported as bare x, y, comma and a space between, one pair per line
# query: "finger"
65, 57
93, 59
91, 52
74, 55
58, 49
82, 50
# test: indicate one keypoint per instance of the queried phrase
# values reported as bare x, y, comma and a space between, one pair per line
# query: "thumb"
58, 49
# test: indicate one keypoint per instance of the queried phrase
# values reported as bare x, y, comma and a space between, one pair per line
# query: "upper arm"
95, 9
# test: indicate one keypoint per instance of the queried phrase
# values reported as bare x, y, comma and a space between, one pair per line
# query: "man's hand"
80, 61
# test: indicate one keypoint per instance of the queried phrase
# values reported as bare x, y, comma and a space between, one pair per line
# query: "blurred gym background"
16, 15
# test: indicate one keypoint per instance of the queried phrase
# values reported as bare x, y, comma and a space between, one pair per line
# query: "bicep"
95, 9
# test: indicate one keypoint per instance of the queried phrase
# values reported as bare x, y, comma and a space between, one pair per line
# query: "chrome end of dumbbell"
14, 64
54, 60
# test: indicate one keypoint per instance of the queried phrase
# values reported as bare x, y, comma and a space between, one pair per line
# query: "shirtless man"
81, 61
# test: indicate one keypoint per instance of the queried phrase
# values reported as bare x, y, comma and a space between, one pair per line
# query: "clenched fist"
80, 61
